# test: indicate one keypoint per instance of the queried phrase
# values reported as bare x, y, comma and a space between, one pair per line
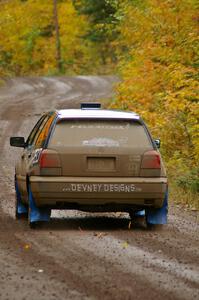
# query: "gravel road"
79, 255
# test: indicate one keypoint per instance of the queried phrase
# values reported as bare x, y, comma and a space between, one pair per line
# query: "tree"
28, 38
160, 75
102, 31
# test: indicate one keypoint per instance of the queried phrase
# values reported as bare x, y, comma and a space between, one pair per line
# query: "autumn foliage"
158, 54
27, 38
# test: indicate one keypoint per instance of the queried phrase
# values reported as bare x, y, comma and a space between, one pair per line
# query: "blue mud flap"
158, 216
21, 209
37, 214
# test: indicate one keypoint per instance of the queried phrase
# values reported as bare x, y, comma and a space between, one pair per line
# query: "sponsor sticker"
100, 188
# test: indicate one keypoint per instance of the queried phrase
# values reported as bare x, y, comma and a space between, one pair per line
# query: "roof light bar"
91, 105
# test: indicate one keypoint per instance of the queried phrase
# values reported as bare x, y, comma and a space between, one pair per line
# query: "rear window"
96, 133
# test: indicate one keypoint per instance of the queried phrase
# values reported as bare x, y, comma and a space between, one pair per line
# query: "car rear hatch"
108, 148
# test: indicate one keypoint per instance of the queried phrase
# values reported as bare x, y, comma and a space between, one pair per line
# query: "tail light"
151, 160
49, 159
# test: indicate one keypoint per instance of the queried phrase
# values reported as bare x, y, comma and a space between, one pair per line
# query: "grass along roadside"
184, 198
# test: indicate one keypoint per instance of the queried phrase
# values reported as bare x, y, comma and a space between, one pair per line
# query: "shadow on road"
90, 223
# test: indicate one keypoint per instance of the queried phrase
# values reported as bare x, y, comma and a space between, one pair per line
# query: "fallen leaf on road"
26, 247
125, 245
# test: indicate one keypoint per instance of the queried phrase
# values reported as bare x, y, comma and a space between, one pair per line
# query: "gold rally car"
93, 160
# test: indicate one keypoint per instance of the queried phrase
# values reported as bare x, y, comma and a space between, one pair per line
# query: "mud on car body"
90, 159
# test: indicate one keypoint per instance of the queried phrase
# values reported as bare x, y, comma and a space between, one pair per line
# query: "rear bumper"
111, 193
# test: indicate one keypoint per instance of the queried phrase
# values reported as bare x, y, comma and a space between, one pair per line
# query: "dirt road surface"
79, 255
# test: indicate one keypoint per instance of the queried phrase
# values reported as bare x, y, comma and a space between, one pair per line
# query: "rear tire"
33, 225
150, 226
137, 221
154, 226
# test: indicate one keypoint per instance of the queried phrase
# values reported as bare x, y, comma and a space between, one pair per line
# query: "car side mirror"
157, 142
17, 142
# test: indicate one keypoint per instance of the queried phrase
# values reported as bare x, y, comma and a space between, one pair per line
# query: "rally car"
90, 159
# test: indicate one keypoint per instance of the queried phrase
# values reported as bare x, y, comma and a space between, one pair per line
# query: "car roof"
96, 114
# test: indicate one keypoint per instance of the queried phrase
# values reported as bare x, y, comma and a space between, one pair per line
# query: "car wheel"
156, 227
137, 218
150, 226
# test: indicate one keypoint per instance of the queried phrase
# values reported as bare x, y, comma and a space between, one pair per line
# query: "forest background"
151, 45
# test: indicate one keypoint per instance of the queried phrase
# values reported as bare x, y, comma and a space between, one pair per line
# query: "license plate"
101, 164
